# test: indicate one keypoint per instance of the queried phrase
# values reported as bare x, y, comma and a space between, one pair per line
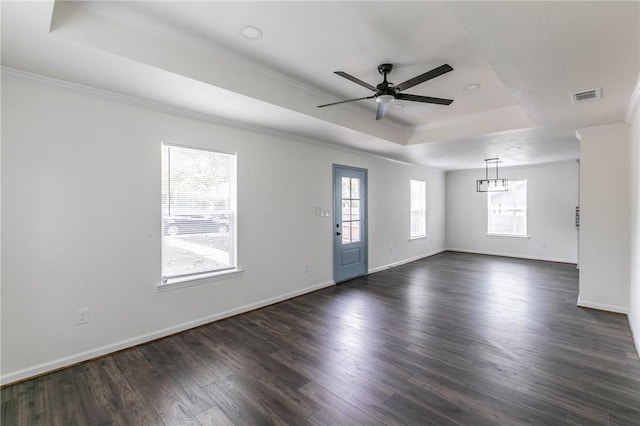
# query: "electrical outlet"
82, 316
390, 249
305, 268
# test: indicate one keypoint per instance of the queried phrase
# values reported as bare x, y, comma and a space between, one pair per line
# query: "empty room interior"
320, 212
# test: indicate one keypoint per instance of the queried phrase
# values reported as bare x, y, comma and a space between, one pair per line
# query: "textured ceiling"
528, 58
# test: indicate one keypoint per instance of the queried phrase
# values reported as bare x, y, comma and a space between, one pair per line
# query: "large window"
507, 211
418, 207
198, 213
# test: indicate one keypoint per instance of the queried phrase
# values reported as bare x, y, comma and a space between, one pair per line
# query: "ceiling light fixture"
252, 32
385, 99
472, 86
492, 185
513, 148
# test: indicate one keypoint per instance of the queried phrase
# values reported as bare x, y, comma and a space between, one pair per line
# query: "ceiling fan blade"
443, 69
382, 110
355, 80
425, 99
348, 100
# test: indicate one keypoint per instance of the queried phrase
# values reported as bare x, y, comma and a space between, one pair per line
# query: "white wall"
634, 305
389, 244
605, 217
552, 195
81, 223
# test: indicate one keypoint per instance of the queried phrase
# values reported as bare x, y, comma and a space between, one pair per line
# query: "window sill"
206, 278
524, 237
419, 237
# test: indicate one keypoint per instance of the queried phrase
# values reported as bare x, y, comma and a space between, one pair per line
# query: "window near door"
507, 211
198, 213
418, 207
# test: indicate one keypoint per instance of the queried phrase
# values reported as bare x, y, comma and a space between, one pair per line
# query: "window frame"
187, 280
421, 209
511, 185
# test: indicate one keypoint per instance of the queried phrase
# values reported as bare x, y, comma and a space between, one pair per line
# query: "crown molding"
182, 112
594, 129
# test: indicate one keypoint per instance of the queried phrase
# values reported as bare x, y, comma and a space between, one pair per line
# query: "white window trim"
204, 278
418, 236
525, 236
208, 277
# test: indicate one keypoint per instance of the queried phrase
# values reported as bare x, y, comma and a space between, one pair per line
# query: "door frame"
337, 219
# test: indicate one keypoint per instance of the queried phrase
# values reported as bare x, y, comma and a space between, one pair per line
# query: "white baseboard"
602, 306
404, 261
124, 344
517, 256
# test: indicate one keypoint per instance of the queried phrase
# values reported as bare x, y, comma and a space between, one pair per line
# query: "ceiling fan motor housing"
385, 88
385, 68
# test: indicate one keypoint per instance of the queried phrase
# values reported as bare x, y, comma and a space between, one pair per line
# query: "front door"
350, 225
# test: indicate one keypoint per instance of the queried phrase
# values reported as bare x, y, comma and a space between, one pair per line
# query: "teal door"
350, 224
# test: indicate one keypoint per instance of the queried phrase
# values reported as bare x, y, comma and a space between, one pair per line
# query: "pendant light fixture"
492, 185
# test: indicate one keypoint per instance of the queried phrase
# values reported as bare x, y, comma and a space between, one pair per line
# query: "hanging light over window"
492, 185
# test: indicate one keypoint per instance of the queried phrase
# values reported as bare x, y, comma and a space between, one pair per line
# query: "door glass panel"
355, 189
355, 210
346, 188
355, 231
346, 233
350, 210
346, 211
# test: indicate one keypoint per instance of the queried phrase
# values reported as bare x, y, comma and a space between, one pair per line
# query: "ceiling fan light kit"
385, 99
492, 185
386, 92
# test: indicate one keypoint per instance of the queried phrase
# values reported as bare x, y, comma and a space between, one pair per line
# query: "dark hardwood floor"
452, 339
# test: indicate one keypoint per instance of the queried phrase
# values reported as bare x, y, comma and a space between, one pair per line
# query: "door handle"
338, 233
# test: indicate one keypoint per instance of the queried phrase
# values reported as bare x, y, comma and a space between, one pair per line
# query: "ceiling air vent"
587, 95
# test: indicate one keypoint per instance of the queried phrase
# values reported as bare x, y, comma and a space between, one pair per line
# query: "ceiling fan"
387, 92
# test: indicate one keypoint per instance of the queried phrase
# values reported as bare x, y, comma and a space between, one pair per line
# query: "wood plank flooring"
454, 339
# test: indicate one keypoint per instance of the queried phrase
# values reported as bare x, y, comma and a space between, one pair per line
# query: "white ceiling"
528, 58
